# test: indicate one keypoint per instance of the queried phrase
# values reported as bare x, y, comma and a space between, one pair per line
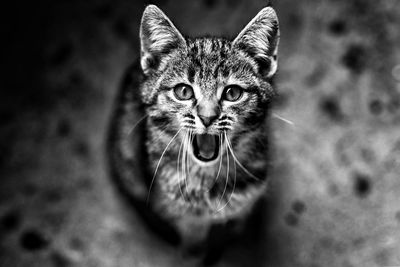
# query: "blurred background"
334, 195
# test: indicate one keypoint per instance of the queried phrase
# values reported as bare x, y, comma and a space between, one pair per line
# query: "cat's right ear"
158, 37
260, 39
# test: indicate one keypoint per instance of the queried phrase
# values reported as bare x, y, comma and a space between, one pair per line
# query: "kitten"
199, 155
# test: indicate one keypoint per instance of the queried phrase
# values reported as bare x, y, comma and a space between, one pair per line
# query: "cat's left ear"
260, 39
158, 37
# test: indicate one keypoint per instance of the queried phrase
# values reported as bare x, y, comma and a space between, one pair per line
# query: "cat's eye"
183, 91
232, 93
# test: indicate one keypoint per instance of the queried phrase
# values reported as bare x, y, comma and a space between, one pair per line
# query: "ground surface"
335, 194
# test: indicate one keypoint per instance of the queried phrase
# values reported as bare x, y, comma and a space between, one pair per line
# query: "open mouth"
205, 147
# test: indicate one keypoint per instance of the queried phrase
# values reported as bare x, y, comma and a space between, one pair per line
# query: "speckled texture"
335, 192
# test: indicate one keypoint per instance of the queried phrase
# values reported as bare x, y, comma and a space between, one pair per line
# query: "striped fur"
182, 190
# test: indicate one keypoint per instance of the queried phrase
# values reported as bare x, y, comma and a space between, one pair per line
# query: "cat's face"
208, 90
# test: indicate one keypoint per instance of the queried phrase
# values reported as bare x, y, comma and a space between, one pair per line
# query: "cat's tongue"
205, 147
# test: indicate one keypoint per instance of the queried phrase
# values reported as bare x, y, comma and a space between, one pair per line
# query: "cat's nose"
207, 120
208, 112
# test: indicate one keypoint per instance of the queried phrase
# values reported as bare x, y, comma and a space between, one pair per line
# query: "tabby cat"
190, 139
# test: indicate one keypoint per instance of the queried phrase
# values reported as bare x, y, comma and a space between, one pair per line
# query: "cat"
190, 136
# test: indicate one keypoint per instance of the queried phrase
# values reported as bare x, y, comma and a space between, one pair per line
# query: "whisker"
177, 167
220, 159
225, 128
136, 124
188, 126
225, 120
158, 164
185, 163
233, 190
283, 119
160, 135
188, 158
237, 161
226, 181
226, 117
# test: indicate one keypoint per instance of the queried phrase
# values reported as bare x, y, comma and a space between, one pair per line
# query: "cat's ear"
260, 39
158, 37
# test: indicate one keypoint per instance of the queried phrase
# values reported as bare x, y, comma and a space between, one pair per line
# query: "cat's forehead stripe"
207, 56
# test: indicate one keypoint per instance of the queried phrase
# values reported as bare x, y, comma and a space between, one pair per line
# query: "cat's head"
213, 87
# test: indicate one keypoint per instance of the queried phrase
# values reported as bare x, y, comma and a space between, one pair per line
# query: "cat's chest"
187, 190
188, 179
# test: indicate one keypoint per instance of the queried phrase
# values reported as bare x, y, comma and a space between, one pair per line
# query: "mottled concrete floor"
334, 196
